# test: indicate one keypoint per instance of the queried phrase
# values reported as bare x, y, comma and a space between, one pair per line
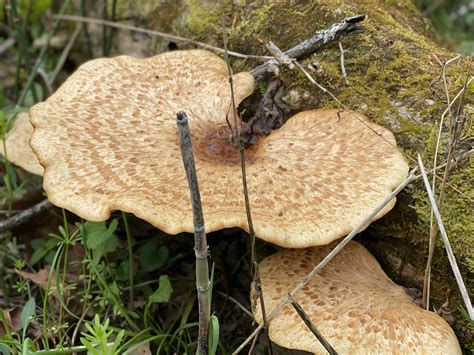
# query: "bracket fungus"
18, 148
352, 302
107, 140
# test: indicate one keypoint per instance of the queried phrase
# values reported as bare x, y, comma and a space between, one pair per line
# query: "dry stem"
447, 245
200, 242
454, 134
311, 326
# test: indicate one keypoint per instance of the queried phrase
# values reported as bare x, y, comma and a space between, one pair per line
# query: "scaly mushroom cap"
18, 148
352, 302
108, 141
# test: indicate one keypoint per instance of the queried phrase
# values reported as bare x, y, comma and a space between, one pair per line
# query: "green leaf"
213, 334
164, 291
4, 350
152, 258
99, 238
27, 313
41, 248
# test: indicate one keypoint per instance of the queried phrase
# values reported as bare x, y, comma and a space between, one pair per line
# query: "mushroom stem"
200, 242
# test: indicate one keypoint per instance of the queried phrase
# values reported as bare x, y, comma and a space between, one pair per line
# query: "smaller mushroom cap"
18, 147
352, 302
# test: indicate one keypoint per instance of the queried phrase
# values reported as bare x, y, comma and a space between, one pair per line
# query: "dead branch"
321, 38
25, 216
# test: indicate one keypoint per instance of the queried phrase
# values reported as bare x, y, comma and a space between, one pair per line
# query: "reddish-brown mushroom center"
216, 145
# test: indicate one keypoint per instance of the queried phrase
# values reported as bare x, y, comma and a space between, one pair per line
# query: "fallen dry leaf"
13, 319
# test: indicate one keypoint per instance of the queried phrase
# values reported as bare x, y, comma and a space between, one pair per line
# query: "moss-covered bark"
391, 67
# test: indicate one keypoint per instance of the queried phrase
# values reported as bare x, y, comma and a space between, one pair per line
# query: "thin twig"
122, 26
321, 38
239, 139
64, 55
433, 225
280, 57
447, 245
25, 216
200, 241
311, 326
343, 68
331, 255
42, 74
245, 310
252, 346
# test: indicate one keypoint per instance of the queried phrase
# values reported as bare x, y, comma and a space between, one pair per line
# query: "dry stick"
311, 45
25, 216
343, 68
434, 227
42, 74
239, 139
200, 242
332, 254
64, 54
237, 303
311, 326
122, 26
447, 245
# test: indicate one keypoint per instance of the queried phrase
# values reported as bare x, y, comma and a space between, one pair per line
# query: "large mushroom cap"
352, 302
108, 141
18, 148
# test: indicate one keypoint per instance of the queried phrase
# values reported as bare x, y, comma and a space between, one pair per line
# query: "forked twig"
447, 245
200, 241
311, 326
321, 38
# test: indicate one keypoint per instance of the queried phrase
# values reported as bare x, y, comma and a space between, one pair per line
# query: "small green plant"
101, 339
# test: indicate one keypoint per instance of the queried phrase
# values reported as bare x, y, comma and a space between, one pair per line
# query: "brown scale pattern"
352, 302
108, 141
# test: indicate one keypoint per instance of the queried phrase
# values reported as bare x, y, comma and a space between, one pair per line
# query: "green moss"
201, 20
